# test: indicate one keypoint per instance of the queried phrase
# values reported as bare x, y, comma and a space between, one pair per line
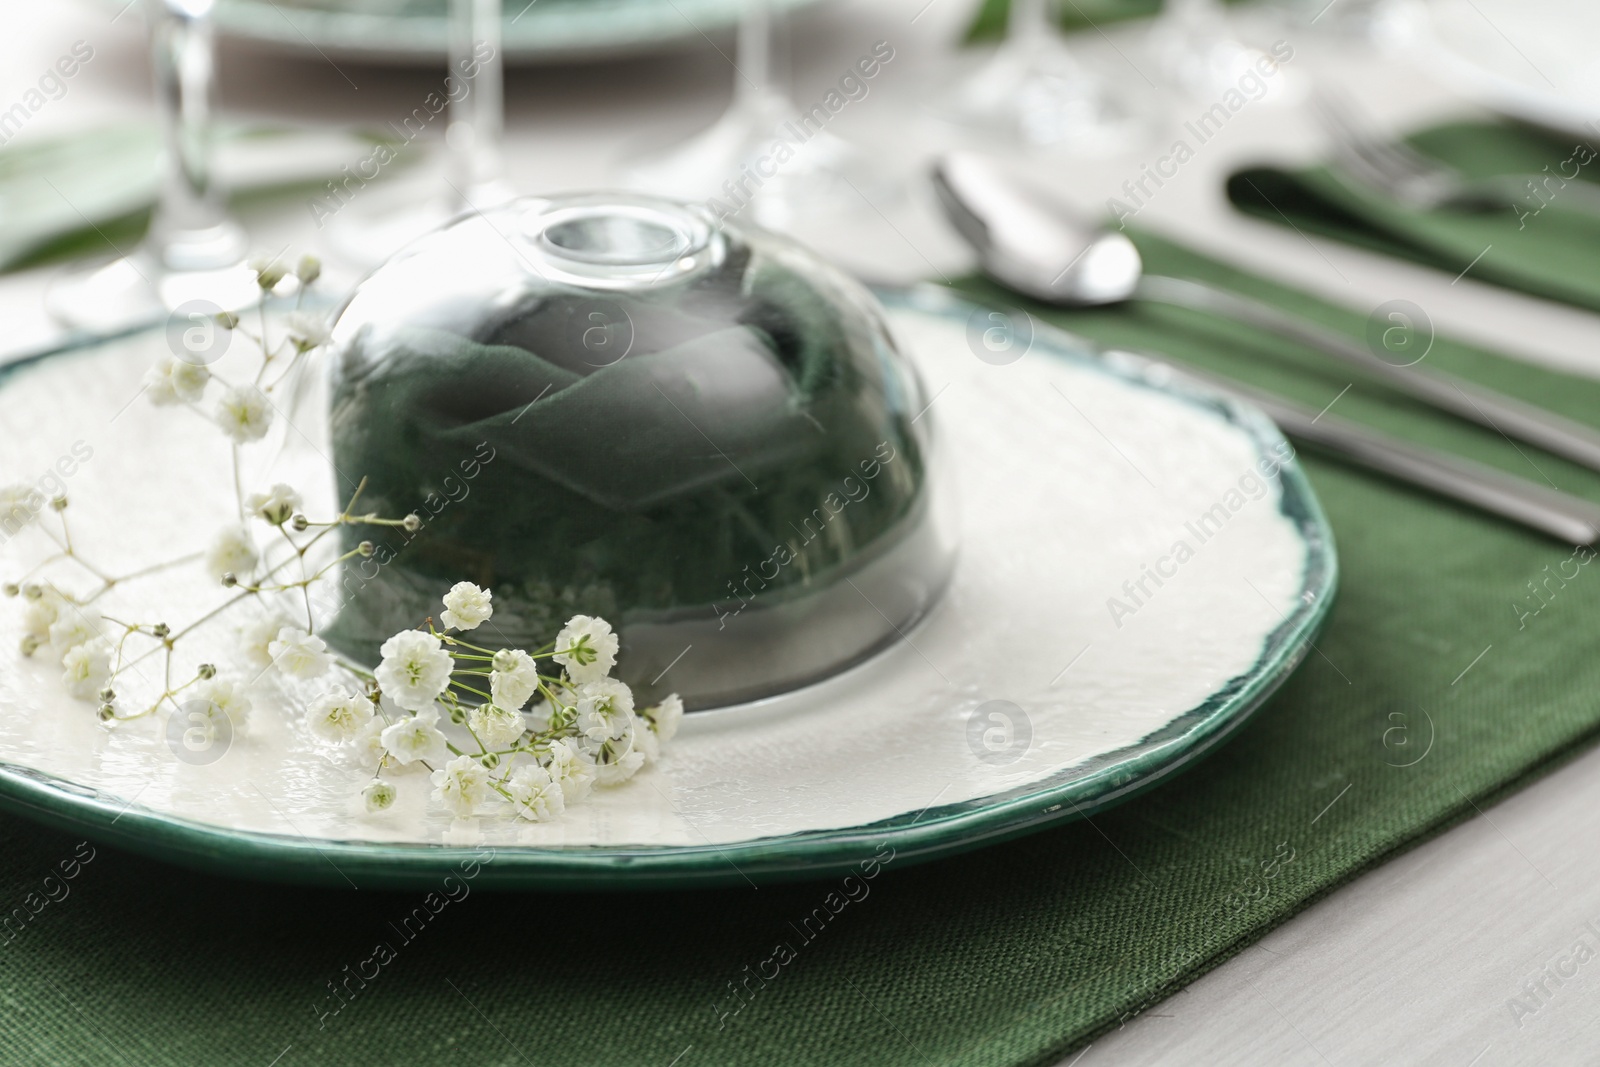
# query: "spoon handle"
1567, 518
1505, 415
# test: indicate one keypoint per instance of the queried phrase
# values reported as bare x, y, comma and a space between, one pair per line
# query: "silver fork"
1395, 169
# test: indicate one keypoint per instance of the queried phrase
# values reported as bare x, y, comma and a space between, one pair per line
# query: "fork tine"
1386, 153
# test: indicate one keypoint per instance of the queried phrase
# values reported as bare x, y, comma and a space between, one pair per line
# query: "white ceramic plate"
1025, 698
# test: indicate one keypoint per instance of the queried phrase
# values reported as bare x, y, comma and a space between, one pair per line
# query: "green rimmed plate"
417, 31
1142, 565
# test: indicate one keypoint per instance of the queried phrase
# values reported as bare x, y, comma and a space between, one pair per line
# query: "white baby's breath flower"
462, 785
174, 381
645, 740
617, 760
416, 738
338, 716
495, 726
572, 769
665, 717
269, 271
220, 697
379, 795
534, 796
514, 678
587, 648
86, 669
276, 506
369, 741
604, 708
307, 331
43, 611
233, 551
73, 627
299, 654
466, 607
244, 414
255, 639
18, 506
415, 669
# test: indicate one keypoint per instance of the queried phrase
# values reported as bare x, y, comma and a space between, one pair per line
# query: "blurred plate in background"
416, 31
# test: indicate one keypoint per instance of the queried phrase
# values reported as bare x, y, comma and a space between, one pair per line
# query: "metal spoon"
1031, 243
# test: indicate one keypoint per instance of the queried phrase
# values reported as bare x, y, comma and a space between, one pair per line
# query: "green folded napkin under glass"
1542, 242
1441, 683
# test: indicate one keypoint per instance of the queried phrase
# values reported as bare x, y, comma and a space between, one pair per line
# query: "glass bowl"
616, 405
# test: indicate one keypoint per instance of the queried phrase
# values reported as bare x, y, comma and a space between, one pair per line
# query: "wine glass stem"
477, 109
1029, 19
754, 68
182, 56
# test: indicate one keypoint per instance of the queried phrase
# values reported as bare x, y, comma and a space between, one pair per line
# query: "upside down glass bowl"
615, 405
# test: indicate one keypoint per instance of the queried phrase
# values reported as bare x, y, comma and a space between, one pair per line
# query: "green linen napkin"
1544, 245
1459, 645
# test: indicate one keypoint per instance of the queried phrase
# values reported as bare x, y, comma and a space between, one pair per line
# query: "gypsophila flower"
415, 669
43, 611
495, 726
175, 381
534, 796
338, 716
416, 738
72, 627
244, 414
466, 607
309, 269
665, 717
604, 708
617, 760
514, 678
233, 551
299, 654
369, 741
221, 697
274, 507
645, 740
18, 506
269, 271
307, 331
255, 639
379, 795
586, 648
461, 785
572, 769
86, 669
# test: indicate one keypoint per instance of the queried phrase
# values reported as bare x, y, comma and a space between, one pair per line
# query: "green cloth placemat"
1010, 956
1545, 246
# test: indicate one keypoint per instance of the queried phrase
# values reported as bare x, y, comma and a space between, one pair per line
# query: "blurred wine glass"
380, 222
764, 159
1198, 52
193, 251
1034, 93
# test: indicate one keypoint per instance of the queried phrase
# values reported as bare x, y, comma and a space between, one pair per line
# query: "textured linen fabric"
1542, 244
1013, 955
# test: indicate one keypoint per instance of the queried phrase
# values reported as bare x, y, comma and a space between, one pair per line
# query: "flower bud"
32, 591
458, 715
269, 272
107, 712
489, 760
366, 548
378, 795
161, 630
208, 671
108, 694
309, 269
300, 522
12, 589
59, 503
30, 645
412, 522
229, 581
226, 319
504, 661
